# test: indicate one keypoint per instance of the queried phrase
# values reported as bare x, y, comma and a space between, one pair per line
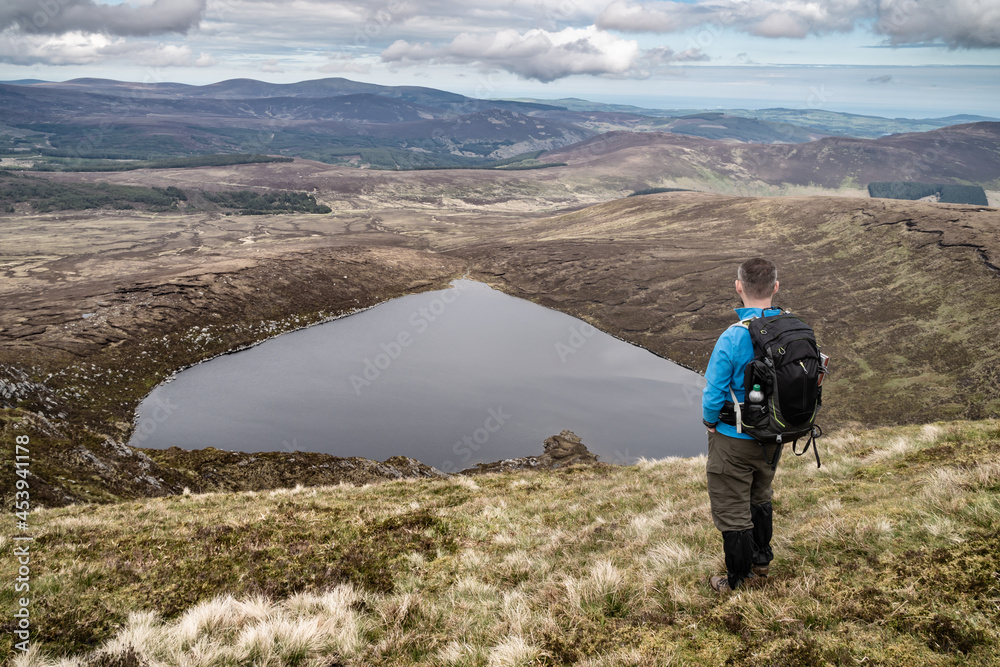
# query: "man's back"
739, 479
733, 351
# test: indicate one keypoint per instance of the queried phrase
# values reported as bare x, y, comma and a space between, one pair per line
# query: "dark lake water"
451, 378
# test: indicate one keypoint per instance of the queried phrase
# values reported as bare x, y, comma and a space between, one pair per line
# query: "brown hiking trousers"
738, 477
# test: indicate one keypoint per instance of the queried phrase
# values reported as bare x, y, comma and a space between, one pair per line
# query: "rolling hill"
601, 168
820, 121
333, 120
339, 121
962, 154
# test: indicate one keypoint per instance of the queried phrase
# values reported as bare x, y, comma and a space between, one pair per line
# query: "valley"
201, 220
102, 304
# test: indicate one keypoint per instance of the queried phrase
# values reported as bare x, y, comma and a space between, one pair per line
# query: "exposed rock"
566, 449
561, 451
16, 387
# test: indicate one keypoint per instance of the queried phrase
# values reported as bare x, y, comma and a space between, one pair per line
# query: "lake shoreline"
453, 378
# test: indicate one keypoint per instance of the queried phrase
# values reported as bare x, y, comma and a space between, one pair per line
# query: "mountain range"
340, 121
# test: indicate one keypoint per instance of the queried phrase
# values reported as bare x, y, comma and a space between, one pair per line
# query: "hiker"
739, 475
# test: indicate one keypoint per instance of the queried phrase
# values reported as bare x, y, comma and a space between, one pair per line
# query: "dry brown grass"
886, 555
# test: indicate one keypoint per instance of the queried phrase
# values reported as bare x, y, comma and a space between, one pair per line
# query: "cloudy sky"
913, 58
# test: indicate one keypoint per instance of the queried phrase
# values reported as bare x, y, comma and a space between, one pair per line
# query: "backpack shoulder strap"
745, 322
742, 324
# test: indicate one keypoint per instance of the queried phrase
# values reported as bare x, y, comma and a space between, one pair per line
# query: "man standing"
739, 476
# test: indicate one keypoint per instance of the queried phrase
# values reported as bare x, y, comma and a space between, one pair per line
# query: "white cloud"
79, 48
765, 18
631, 16
378, 23
958, 23
271, 67
652, 59
339, 63
541, 55
55, 17
955, 23
540, 40
205, 60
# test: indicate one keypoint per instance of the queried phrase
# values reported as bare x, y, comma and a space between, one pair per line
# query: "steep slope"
886, 556
903, 295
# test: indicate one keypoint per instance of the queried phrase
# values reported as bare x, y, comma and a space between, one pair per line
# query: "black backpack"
789, 368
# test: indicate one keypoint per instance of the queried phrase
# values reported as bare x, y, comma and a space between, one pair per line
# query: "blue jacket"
733, 351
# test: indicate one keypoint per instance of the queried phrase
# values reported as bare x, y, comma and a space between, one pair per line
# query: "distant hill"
577, 104
710, 125
811, 120
722, 126
333, 120
339, 121
251, 89
856, 125
357, 107
962, 154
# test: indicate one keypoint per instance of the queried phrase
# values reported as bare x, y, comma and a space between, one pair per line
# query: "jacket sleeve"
718, 377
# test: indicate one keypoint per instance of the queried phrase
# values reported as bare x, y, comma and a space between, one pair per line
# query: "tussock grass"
887, 555
303, 629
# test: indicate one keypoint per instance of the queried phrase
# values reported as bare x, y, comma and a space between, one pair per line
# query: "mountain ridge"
329, 120
960, 154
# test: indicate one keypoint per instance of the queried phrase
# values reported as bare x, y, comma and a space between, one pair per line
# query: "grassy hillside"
885, 556
903, 295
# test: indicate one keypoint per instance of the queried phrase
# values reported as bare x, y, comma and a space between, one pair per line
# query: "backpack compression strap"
739, 411
816, 432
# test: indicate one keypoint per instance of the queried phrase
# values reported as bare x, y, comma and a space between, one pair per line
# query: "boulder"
560, 451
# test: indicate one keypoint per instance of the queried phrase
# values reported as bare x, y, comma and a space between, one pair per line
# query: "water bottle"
756, 395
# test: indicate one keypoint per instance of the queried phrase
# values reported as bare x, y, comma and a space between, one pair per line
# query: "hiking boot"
720, 583
760, 570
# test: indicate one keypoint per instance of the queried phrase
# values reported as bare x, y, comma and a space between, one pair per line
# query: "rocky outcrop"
561, 450
213, 469
17, 388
